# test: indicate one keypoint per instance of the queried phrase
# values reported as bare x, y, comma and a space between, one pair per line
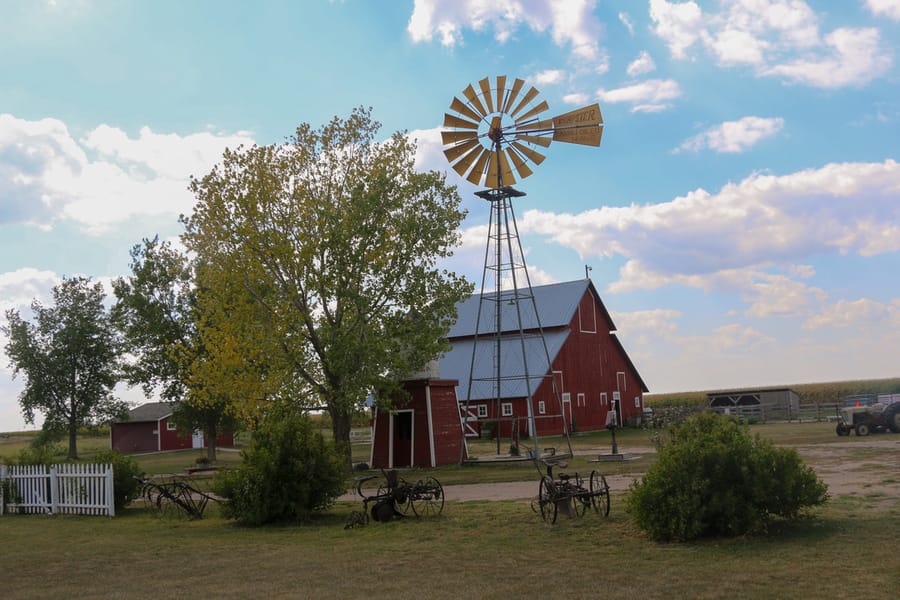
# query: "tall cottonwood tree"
320, 279
155, 311
68, 357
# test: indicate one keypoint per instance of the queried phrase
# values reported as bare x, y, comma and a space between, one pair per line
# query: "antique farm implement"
175, 495
570, 494
397, 498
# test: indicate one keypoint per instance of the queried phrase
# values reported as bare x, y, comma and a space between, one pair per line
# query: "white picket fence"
73, 489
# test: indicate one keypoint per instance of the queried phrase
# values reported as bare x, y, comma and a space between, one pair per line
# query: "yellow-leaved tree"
320, 280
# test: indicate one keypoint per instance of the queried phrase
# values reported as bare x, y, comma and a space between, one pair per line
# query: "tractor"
869, 419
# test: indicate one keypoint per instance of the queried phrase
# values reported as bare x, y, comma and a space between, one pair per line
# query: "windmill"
492, 136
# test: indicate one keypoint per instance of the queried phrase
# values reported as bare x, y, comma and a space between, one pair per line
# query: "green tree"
320, 279
68, 357
155, 311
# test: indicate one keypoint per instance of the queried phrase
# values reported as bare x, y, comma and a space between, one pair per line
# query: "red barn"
588, 364
422, 430
149, 428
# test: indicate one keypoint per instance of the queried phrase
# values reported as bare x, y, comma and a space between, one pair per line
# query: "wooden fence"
765, 413
74, 489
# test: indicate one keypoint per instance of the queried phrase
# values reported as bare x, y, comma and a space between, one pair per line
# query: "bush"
126, 473
713, 479
287, 473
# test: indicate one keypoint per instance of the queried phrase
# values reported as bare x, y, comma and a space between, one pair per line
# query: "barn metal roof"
457, 364
556, 304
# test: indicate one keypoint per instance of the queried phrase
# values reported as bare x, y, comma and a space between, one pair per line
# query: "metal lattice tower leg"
508, 328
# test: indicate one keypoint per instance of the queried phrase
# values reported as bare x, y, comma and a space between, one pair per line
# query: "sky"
740, 220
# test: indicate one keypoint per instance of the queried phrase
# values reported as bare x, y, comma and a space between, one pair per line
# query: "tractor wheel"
892, 417
842, 429
862, 429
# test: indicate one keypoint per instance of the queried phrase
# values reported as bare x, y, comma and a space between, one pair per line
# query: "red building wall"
442, 431
133, 437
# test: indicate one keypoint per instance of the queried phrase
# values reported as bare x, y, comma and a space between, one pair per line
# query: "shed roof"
152, 411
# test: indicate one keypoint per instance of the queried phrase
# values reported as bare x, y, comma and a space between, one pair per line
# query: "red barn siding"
134, 437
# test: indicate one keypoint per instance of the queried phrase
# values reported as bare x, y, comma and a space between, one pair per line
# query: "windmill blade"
534, 111
507, 177
452, 137
534, 139
492, 171
472, 97
453, 121
519, 163
533, 155
463, 108
586, 136
528, 97
456, 151
501, 90
485, 85
478, 169
513, 93
462, 167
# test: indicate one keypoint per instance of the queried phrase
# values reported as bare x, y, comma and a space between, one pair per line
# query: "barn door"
469, 419
402, 439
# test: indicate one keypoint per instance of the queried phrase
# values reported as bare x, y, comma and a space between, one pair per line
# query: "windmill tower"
492, 137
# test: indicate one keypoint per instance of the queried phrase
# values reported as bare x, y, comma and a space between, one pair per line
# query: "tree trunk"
73, 446
212, 432
341, 420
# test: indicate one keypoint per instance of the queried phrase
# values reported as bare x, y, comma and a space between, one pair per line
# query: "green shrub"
287, 473
41, 454
712, 478
126, 473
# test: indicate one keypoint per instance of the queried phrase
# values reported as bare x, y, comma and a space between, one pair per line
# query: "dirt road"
838, 464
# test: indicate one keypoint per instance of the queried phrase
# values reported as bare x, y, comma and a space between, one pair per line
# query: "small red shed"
422, 430
149, 428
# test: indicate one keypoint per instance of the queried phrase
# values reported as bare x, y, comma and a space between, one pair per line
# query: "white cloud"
549, 77
46, 175
860, 313
626, 21
853, 58
646, 95
691, 240
888, 8
734, 136
678, 24
641, 65
779, 38
570, 23
576, 98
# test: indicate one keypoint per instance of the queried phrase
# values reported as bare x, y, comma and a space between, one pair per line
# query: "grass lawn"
846, 549
849, 549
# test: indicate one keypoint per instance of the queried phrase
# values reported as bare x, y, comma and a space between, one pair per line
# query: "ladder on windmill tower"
493, 137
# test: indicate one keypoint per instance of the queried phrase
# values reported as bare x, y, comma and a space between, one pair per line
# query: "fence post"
54, 491
2, 488
110, 492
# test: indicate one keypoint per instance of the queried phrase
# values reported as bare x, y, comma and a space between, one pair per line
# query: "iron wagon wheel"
397, 494
547, 500
581, 500
599, 493
427, 498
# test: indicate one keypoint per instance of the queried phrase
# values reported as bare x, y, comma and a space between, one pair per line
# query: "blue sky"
741, 217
